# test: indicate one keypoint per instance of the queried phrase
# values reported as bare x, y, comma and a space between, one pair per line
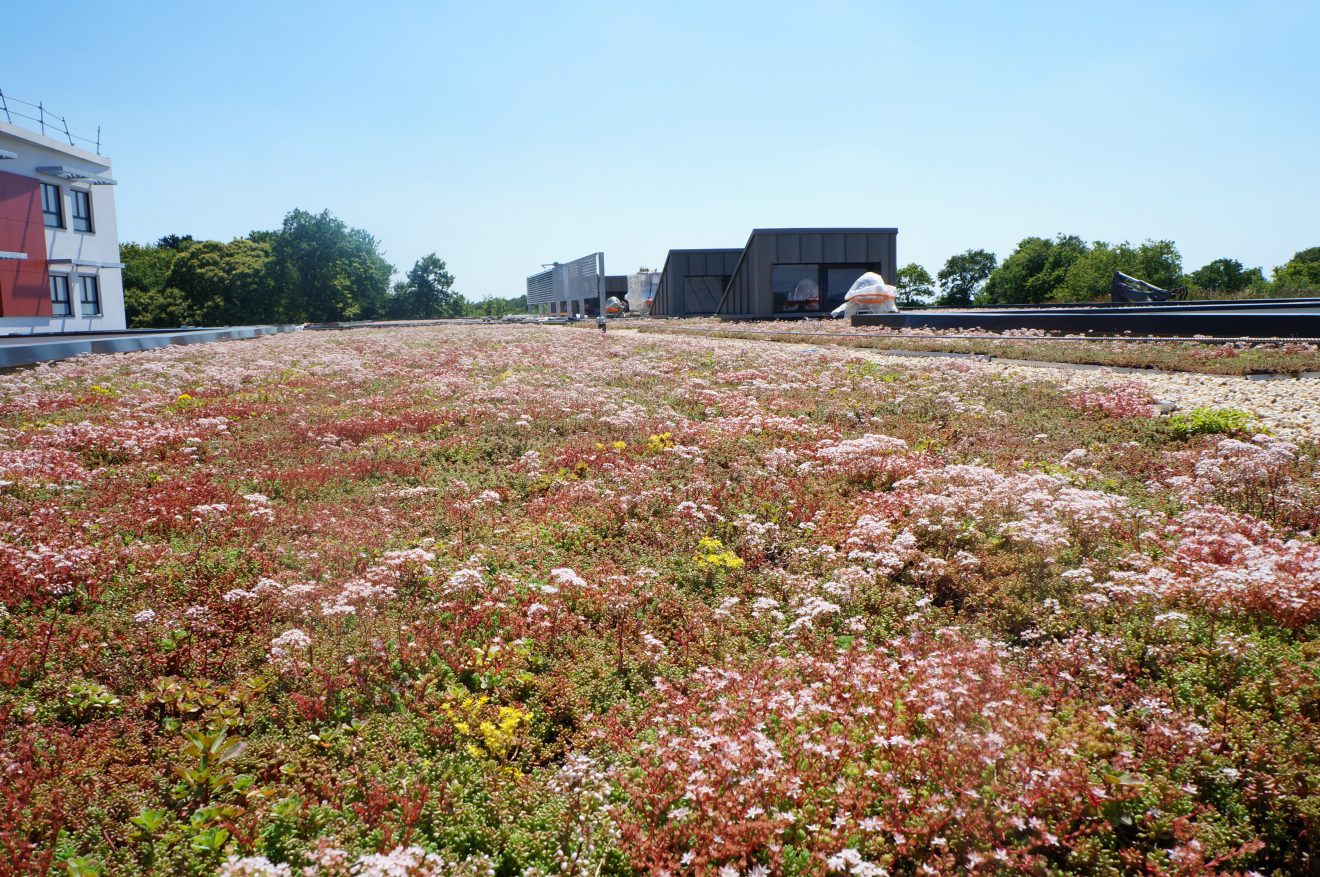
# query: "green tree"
495, 307
915, 285
175, 242
225, 284
1301, 273
1158, 262
148, 304
428, 293
1090, 276
145, 265
325, 271
157, 309
963, 275
1225, 275
1033, 271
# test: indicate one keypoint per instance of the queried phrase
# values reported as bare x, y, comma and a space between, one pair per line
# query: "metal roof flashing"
824, 231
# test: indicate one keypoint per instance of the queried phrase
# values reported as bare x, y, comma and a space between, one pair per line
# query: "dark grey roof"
824, 231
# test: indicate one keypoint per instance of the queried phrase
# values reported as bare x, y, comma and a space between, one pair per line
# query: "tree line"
1068, 269
313, 269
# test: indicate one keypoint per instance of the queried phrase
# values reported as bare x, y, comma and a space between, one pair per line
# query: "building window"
813, 288
60, 305
838, 280
52, 205
89, 304
82, 210
796, 288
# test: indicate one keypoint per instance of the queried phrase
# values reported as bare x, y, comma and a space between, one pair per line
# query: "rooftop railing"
38, 118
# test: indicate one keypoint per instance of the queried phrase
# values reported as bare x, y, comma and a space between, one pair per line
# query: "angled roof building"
803, 272
693, 281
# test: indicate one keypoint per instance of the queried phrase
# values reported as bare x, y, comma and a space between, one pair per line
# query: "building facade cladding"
693, 281
59, 244
798, 272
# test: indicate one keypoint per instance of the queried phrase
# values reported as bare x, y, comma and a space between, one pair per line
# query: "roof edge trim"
825, 231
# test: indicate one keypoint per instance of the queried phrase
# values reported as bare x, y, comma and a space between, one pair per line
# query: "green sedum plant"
85, 701
1209, 421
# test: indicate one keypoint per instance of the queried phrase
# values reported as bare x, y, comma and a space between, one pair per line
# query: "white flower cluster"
330, 861
288, 651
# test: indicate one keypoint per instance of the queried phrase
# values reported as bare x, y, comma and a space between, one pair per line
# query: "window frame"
812, 272
60, 281
95, 281
823, 270
58, 213
86, 195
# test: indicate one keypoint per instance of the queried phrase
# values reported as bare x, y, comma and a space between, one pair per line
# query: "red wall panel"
24, 284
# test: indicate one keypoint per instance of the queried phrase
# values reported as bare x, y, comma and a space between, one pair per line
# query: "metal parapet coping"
997, 336
1242, 323
18, 351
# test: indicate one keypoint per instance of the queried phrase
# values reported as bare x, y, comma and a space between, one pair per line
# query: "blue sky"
505, 135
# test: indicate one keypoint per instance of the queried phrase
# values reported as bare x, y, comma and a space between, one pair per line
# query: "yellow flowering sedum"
500, 736
185, 402
713, 555
495, 738
662, 441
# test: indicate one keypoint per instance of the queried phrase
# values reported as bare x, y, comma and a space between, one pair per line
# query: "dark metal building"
802, 272
616, 285
693, 281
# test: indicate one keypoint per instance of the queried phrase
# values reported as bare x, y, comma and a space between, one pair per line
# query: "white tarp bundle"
641, 291
869, 294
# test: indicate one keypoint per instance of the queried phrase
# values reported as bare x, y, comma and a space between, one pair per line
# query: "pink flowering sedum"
488, 599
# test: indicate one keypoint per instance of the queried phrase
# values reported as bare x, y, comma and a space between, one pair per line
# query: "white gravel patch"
1290, 407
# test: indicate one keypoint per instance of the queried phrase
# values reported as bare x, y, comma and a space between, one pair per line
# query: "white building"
59, 248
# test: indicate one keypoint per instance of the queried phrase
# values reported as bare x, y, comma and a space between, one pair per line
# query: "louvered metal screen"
579, 280
541, 288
